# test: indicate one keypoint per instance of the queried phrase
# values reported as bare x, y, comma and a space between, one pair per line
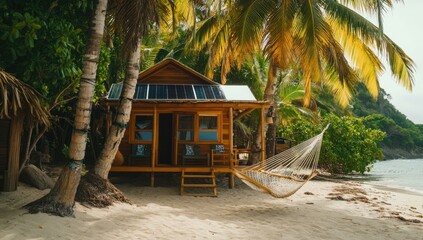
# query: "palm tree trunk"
118, 127
61, 199
269, 95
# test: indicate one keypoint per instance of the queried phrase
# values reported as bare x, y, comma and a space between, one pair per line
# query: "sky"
403, 25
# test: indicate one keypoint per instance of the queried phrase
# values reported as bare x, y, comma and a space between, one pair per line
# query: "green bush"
348, 146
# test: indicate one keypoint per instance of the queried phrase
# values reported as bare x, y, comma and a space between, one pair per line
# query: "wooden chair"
192, 156
141, 155
220, 156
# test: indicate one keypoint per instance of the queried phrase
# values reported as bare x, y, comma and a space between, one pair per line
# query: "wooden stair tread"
199, 194
199, 185
198, 176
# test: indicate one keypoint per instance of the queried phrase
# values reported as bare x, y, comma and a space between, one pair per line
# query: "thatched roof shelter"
19, 107
18, 98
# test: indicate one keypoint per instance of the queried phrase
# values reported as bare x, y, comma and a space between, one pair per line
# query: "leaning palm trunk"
61, 199
118, 127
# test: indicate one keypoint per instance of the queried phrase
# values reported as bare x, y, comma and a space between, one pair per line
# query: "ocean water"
402, 173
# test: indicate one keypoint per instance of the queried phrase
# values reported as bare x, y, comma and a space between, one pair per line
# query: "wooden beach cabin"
181, 121
19, 108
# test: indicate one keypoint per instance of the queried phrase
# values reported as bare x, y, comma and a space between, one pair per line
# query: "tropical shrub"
348, 146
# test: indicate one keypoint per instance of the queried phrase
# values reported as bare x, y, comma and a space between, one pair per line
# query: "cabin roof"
186, 92
171, 71
171, 81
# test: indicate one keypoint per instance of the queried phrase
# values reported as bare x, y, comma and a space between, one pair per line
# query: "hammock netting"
283, 174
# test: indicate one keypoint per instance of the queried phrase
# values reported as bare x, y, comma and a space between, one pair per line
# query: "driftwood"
35, 177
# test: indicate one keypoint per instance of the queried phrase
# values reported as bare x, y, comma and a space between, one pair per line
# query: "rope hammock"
283, 174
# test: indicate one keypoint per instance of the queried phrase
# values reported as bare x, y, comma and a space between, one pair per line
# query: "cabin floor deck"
176, 169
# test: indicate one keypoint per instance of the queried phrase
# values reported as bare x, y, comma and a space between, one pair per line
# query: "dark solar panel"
180, 92
170, 91
189, 92
141, 92
199, 91
209, 92
162, 92
152, 92
218, 94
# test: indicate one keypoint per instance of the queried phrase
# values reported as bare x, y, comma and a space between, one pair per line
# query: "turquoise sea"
404, 174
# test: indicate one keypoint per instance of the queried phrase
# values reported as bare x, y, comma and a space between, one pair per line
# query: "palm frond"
249, 21
401, 65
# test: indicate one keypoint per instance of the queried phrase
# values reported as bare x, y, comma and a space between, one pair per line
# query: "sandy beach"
320, 210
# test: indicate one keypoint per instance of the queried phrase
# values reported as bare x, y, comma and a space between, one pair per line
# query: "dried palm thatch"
18, 98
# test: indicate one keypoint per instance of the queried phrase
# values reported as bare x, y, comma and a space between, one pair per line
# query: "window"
186, 127
143, 128
208, 130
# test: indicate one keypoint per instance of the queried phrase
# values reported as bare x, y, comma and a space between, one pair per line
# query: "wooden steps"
198, 180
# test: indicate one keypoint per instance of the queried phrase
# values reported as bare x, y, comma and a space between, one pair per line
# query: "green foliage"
348, 145
42, 42
381, 114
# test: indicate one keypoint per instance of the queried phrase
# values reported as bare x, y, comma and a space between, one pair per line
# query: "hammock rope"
286, 172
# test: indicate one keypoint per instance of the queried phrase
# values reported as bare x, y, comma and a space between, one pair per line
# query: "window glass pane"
208, 122
186, 121
185, 135
186, 127
207, 136
143, 122
147, 136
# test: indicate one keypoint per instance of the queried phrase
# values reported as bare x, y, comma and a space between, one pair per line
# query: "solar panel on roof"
171, 91
189, 92
141, 92
218, 94
199, 91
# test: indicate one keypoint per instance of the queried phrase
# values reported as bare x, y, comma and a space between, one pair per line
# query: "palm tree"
60, 200
132, 19
327, 40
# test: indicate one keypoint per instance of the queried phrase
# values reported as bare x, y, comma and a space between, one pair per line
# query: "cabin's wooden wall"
126, 148
170, 74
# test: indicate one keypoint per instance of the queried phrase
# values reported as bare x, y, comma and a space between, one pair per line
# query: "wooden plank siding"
224, 130
171, 75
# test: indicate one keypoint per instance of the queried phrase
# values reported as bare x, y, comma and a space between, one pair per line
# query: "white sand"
241, 213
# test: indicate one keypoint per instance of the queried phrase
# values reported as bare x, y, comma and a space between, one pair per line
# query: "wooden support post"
152, 179
263, 134
231, 146
155, 142
12, 173
231, 180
